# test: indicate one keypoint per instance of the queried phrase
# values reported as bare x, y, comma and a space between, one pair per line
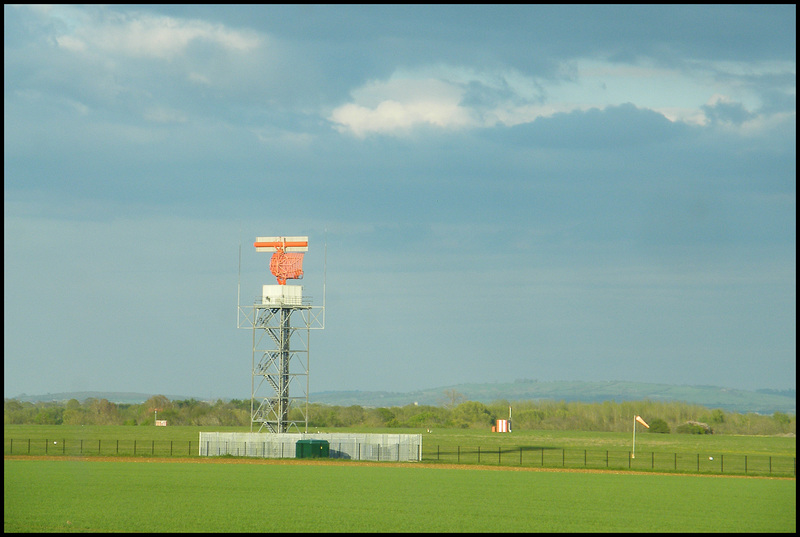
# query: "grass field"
221, 496
447, 439
85, 494
728, 454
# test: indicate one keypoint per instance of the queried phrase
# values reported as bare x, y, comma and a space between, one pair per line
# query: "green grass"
728, 454
446, 438
85, 495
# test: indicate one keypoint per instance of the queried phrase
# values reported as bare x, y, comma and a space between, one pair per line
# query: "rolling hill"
734, 400
729, 399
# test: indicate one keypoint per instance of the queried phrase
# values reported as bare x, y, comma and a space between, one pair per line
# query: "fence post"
134, 446
479, 453
458, 457
81, 452
520, 455
63, 446
676, 461
698, 462
98, 446
29, 446
722, 464
542, 457
584, 458
652, 460
745, 464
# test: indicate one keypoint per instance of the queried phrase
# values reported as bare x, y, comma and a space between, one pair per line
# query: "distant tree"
49, 415
351, 415
74, 416
472, 413
103, 412
452, 398
386, 416
694, 427
13, 412
657, 425
782, 418
241, 404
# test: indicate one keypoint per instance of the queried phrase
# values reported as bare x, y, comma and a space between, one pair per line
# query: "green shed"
311, 448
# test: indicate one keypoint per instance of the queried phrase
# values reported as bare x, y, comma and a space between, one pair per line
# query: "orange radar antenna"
287, 261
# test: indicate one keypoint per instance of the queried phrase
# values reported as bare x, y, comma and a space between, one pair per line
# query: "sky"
491, 193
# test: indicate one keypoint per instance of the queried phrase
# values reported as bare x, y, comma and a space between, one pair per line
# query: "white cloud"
445, 97
400, 104
143, 35
459, 97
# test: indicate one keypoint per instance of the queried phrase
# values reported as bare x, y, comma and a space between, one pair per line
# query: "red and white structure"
503, 426
287, 257
279, 360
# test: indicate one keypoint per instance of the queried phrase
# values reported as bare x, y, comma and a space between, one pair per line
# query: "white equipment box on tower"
282, 295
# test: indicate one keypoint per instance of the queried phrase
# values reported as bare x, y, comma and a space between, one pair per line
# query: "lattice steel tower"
280, 365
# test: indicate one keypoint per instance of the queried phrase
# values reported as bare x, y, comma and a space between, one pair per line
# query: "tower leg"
283, 409
276, 363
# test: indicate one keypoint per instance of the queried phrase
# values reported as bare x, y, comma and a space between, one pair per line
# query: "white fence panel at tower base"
359, 447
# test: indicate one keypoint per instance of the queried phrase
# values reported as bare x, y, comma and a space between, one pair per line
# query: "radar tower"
280, 362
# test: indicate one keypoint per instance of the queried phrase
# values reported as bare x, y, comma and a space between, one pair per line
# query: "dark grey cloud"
531, 38
616, 126
724, 112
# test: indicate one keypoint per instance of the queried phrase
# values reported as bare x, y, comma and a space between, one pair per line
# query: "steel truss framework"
280, 365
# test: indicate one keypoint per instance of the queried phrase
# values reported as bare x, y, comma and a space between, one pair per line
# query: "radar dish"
286, 266
287, 261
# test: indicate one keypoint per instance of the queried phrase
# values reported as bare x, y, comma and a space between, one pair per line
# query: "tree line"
454, 413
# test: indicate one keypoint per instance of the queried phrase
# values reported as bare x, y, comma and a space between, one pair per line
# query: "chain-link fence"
104, 446
408, 447
712, 463
359, 447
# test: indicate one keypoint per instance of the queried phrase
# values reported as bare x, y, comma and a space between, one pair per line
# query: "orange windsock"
640, 420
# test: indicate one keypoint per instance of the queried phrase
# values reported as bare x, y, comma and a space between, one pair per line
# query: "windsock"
640, 420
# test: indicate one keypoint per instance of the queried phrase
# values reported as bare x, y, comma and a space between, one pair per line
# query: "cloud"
721, 109
444, 97
615, 126
568, 160
397, 105
149, 36
459, 97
